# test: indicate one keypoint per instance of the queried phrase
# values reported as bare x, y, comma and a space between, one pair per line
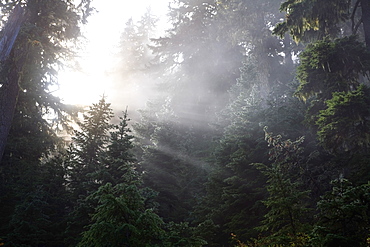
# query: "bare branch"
355, 27
354, 30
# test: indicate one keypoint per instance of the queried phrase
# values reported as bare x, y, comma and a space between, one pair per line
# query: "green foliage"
43, 42
344, 126
83, 162
229, 205
234, 194
118, 157
286, 219
307, 20
33, 208
32, 191
331, 66
329, 69
171, 154
124, 214
198, 178
181, 234
30, 221
87, 146
172, 169
344, 215
120, 219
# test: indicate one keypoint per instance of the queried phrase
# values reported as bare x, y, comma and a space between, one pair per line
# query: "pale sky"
102, 32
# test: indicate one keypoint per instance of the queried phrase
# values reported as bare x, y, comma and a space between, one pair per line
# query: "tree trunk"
9, 89
9, 97
365, 7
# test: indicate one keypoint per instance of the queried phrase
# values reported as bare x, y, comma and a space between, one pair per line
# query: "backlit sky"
85, 85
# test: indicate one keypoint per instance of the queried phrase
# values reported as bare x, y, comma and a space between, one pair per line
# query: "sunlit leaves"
284, 222
307, 20
344, 125
331, 66
331, 70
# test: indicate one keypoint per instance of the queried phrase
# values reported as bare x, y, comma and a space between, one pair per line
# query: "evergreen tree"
344, 215
121, 219
84, 165
124, 212
286, 221
232, 204
170, 167
27, 179
332, 68
134, 52
118, 158
327, 68
88, 145
133, 72
311, 20
197, 63
343, 125
31, 69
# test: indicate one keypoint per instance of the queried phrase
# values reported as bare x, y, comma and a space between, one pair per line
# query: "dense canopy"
256, 131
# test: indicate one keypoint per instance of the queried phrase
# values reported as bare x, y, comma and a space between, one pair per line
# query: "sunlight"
82, 89
91, 80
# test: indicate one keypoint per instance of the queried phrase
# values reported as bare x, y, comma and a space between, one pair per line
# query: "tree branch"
353, 17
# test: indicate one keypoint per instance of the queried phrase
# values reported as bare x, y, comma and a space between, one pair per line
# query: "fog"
247, 124
94, 69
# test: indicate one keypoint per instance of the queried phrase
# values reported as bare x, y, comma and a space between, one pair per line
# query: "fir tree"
286, 219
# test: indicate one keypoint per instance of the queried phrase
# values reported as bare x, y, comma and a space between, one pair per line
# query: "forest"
256, 132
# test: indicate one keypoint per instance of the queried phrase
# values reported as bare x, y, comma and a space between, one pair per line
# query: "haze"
248, 124
92, 74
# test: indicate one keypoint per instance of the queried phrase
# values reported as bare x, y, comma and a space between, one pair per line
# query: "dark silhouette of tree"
10, 86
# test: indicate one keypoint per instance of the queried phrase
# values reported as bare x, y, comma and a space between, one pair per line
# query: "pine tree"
118, 158
343, 216
84, 165
343, 125
28, 187
88, 144
286, 221
31, 69
121, 219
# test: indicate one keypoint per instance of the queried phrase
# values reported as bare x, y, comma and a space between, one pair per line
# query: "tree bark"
9, 97
9, 89
365, 7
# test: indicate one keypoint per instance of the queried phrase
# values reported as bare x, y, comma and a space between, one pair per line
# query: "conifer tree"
88, 144
121, 219
343, 215
118, 158
30, 71
84, 165
286, 219
28, 186
332, 68
310, 20
343, 125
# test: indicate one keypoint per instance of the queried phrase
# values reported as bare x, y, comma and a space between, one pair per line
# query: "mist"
202, 123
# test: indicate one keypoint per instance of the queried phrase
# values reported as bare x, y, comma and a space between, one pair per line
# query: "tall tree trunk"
365, 7
9, 89
8, 101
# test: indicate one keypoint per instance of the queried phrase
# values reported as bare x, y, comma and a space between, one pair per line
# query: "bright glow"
87, 83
